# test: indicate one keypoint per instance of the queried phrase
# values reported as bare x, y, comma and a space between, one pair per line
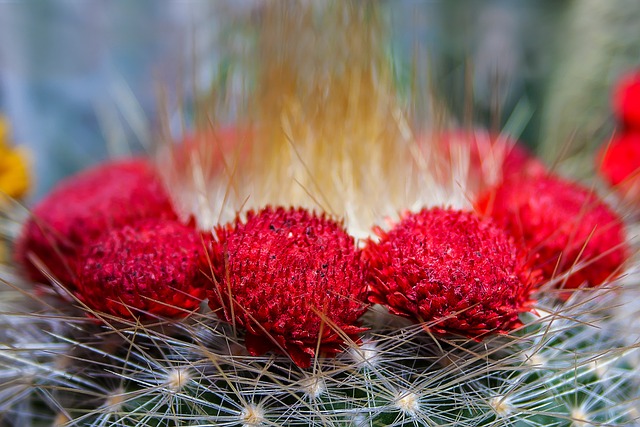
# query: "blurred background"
79, 79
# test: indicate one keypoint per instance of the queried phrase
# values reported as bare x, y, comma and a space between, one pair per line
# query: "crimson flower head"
209, 149
85, 206
619, 164
565, 227
293, 279
452, 271
521, 162
152, 267
489, 153
626, 100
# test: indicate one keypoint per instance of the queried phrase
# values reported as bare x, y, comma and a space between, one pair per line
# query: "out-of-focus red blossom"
619, 164
492, 158
452, 270
626, 100
281, 274
565, 227
209, 150
151, 267
85, 206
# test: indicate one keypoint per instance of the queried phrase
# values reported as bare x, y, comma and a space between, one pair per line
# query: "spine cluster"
447, 317
134, 297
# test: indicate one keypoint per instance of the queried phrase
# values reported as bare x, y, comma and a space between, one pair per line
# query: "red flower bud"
619, 164
85, 206
452, 270
492, 158
209, 150
565, 226
291, 278
152, 267
626, 100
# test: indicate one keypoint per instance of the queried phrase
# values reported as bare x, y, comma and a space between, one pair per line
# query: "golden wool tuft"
326, 130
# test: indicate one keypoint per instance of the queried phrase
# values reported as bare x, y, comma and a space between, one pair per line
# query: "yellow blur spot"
14, 171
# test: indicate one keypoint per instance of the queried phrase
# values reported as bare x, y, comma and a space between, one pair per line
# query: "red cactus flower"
492, 158
619, 164
519, 161
209, 150
291, 278
151, 267
565, 226
84, 206
452, 270
626, 100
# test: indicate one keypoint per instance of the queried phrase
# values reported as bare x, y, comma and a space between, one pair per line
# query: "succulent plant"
330, 278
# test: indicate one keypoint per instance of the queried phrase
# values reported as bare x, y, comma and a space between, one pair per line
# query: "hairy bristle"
327, 129
308, 117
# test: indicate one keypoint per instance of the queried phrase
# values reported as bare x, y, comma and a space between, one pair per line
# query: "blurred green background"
77, 76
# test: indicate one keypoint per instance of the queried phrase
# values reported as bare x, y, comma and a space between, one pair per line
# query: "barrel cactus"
328, 267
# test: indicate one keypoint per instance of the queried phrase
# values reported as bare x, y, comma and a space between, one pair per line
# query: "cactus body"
328, 135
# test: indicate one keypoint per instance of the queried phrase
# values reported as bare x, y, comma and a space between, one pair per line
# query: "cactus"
570, 358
